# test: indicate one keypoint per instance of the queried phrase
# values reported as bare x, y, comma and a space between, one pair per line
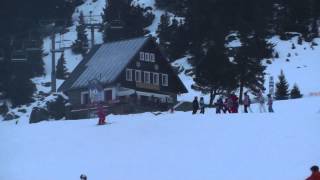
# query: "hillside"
301, 69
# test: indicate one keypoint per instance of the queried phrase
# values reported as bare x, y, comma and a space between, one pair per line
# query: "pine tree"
282, 88
62, 71
36, 62
295, 92
163, 30
215, 73
172, 35
80, 46
178, 44
20, 90
248, 62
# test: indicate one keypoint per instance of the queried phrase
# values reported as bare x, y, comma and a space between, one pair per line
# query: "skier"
202, 105
270, 102
315, 174
195, 105
261, 102
220, 106
246, 102
235, 104
225, 105
229, 104
101, 115
83, 177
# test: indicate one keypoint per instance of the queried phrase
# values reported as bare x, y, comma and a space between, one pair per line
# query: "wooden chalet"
134, 74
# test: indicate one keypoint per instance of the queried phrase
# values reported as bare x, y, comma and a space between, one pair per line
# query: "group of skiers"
231, 104
196, 105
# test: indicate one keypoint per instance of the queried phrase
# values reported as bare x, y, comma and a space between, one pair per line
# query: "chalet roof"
105, 62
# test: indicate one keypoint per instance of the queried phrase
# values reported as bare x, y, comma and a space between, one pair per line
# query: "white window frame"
156, 77
82, 97
129, 76
146, 74
141, 56
165, 76
152, 57
147, 57
136, 77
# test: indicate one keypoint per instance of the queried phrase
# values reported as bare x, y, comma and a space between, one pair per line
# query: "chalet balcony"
148, 86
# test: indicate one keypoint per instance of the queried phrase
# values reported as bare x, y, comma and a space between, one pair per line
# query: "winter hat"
314, 168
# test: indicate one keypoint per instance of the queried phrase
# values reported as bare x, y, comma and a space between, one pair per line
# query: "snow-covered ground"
175, 146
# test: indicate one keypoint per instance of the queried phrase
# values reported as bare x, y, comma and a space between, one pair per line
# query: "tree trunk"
241, 93
213, 94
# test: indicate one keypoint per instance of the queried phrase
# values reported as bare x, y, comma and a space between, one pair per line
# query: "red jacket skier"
315, 173
101, 115
235, 104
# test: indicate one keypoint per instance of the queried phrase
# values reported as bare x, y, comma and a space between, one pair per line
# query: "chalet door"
108, 95
85, 99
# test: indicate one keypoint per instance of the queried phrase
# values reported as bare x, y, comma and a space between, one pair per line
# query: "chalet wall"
163, 68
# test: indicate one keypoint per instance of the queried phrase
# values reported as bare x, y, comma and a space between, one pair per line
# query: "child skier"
225, 105
315, 173
220, 106
246, 102
195, 105
270, 102
229, 104
235, 104
202, 105
261, 102
101, 115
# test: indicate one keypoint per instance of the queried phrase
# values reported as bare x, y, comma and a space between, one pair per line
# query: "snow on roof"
105, 64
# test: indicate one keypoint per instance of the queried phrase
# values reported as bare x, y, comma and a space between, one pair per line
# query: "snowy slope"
279, 146
303, 67
188, 81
